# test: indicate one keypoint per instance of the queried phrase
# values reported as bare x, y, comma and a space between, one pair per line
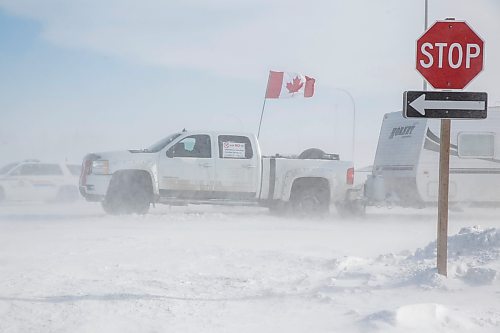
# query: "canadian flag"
286, 84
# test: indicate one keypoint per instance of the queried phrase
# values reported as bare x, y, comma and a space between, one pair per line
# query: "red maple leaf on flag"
294, 86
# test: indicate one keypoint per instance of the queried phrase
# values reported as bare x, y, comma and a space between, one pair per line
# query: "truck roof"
218, 132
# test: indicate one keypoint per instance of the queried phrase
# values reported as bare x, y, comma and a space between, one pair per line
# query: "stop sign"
450, 54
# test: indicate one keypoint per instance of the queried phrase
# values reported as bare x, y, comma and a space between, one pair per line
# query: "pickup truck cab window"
235, 147
197, 146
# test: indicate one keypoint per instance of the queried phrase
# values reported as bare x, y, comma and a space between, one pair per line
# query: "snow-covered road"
217, 269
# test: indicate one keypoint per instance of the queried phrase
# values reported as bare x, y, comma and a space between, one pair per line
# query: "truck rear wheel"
129, 192
310, 198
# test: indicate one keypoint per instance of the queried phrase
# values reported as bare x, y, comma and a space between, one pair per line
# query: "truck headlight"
100, 167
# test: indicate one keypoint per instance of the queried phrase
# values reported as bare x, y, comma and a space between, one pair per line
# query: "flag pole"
261, 115
263, 106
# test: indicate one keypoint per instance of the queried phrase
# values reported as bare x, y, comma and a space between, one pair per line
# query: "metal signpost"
449, 55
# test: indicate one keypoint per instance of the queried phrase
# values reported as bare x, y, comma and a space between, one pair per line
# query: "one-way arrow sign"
449, 105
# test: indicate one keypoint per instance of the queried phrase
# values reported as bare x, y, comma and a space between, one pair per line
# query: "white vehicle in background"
32, 180
215, 168
406, 167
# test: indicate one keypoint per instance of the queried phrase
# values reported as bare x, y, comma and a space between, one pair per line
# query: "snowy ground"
214, 269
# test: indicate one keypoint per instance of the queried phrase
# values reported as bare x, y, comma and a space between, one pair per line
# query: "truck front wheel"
129, 192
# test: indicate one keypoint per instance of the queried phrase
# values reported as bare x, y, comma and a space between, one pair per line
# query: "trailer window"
472, 145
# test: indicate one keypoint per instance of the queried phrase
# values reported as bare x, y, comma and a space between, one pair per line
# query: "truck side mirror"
170, 152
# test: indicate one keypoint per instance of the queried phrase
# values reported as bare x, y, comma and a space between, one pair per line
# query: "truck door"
186, 170
237, 168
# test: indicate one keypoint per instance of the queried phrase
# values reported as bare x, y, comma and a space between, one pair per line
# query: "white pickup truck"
215, 168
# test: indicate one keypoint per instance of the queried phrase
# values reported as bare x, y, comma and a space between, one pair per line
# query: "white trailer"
406, 167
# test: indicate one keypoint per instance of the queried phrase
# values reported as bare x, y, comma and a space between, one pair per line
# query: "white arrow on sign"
421, 104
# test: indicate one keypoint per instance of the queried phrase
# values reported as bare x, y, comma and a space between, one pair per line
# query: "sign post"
444, 181
449, 55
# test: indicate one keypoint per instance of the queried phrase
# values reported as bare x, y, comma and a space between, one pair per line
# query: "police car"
32, 180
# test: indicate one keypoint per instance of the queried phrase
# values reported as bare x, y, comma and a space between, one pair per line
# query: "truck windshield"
162, 143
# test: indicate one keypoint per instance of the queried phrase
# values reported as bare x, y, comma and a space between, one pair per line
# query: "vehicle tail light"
350, 176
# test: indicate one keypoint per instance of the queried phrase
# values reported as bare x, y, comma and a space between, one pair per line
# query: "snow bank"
470, 241
473, 260
425, 317
468, 251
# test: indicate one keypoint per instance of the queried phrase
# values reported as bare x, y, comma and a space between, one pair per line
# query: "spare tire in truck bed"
312, 153
317, 154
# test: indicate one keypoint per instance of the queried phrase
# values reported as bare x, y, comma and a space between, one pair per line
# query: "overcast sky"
87, 75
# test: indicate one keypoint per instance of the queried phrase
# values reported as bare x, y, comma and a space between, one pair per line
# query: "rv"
406, 166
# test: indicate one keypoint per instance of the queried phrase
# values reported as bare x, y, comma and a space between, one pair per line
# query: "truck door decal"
233, 150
